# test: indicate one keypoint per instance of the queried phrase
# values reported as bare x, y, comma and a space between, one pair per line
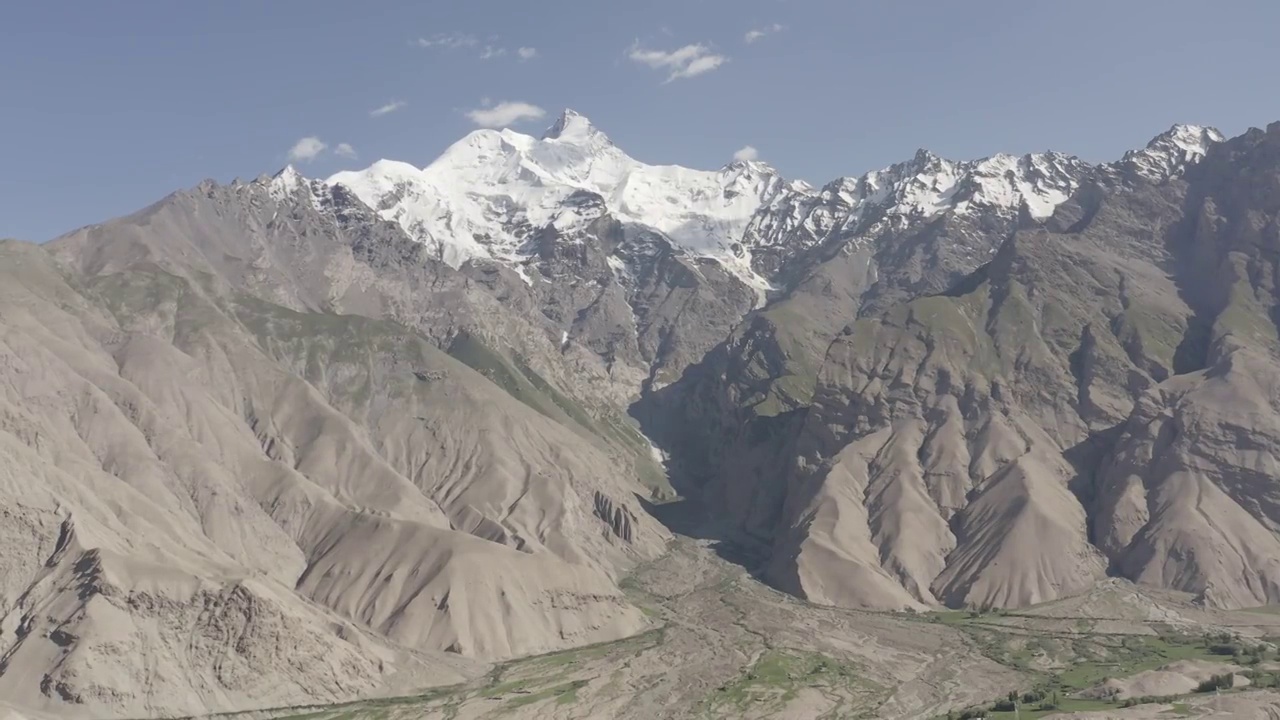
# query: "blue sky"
107, 106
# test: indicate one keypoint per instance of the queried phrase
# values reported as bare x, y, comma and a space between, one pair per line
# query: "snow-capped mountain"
648, 266
921, 188
1171, 151
488, 194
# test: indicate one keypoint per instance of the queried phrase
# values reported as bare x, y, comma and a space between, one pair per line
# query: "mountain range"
293, 440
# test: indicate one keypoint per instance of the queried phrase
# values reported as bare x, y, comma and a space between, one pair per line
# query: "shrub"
1150, 699
1224, 681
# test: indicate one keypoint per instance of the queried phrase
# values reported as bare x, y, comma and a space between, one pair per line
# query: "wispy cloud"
686, 62
505, 113
311, 148
489, 49
759, 33
746, 154
387, 109
307, 149
448, 41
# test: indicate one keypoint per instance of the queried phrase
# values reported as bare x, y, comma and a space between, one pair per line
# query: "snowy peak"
928, 185
748, 167
758, 180
923, 187
288, 186
1040, 181
284, 183
750, 172
1169, 153
1194, 140
288, 174
487, 193
572, 126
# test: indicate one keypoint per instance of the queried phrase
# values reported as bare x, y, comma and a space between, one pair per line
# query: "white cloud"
311, 148
307, 149
758, 33
699, 66
448, 41
387, 109
505, 113
487, 50
685, 62
747, 153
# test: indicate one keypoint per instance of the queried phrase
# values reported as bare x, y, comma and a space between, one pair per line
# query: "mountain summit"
487, 193
574, 127
1172, 150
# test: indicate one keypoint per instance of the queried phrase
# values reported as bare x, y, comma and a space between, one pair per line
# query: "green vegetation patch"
504, 373
541, 677
521, 381
944, 316
785, 367
563, 695
132, 293
1061, 664
777, 676
335, 352
1245, 317
1012, 324
1150, 333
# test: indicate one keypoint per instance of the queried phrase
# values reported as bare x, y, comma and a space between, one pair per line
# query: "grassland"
778, 676
1060, 663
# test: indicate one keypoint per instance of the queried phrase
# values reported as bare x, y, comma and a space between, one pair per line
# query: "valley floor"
724, 645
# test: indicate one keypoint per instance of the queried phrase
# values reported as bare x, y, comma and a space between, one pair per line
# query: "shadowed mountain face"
292, 440
1097, 397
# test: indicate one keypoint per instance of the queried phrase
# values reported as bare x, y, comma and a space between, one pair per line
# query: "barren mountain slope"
315, 248
1099, 395
213, 501
1188, 496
